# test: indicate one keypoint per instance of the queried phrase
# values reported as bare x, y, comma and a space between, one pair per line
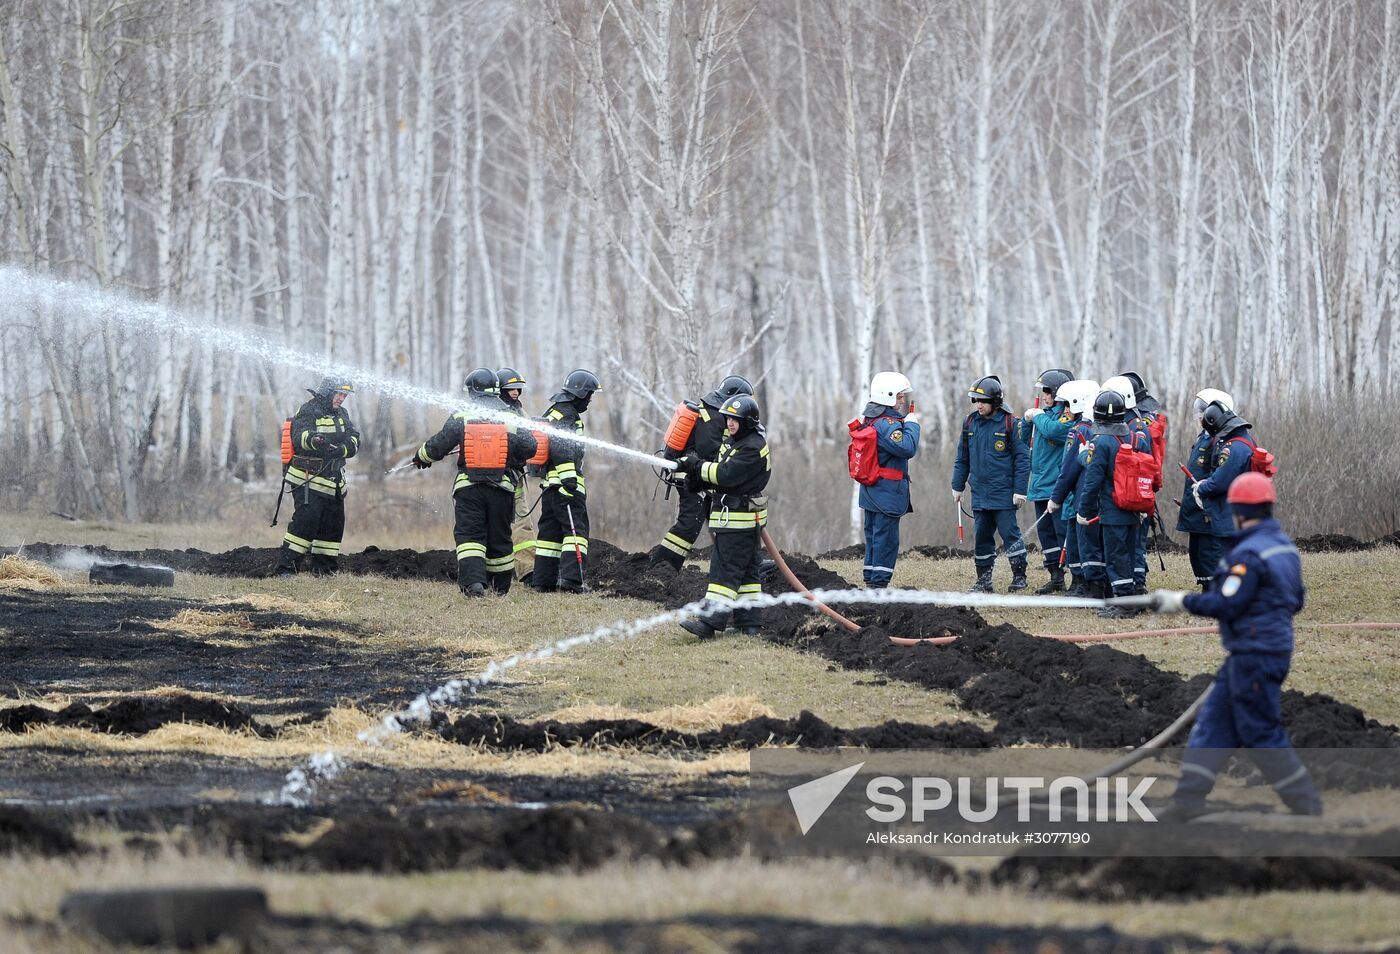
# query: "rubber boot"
1079, 588
984, 582
1018, 579
474, 589
660, 556
1055, 585
1118, 612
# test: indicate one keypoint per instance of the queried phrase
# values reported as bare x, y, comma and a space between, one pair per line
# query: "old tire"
185, 917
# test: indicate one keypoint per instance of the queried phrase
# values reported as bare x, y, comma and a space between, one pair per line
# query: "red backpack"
1157, 428
1134, 479
1261, 460
863, 456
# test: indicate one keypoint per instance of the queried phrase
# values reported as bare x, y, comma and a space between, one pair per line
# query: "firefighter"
1086, 574
561, 543
738, 511
1205, 538
1049, 426
510, 388
1229, 455
891, 413
1141, 427
323, 439
693, 500
996, 462
490, 453
1095, 500
1150, 411
1255, 594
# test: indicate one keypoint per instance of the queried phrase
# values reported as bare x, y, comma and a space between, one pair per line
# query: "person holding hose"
561, 545
737, 477
1206, 535
894, 425
1049, 428
1255, 594
996, 462
322, 439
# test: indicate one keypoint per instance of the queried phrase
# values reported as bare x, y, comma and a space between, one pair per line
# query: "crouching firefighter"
883, 440
696, 428
1255, 594
491, 452
316, 443
561, 543
738, 512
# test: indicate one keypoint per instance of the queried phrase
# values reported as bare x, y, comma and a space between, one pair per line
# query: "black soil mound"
20, 831
807, 731
135, 716
1131, 878
103, 643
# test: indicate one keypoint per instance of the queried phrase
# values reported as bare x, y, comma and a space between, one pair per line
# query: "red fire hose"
796, 584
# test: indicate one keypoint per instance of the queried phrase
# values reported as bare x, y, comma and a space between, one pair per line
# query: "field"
141, 731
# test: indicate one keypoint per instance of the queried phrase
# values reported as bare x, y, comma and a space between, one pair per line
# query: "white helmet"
1125, 387
887, 386
1078, 394
1207, 395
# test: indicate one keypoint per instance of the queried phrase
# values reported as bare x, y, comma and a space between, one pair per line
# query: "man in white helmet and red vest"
891, 426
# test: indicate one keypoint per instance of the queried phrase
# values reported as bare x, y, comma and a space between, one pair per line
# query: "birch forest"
667, 191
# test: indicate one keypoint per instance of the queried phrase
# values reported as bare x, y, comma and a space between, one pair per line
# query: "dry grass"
710, 714
204, 622
18, 573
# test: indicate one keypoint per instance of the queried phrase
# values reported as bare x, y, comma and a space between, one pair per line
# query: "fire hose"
796, 584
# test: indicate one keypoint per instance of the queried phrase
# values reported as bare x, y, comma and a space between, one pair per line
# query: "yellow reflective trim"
524, 545
470, 549
751, 588
296, 543
548, 548
718, 592
763, 451
709, 473
676, 548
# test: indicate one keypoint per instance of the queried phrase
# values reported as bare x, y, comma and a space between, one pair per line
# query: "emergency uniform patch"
897, 436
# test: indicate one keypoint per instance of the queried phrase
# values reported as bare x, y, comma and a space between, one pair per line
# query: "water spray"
26, 289
301, 783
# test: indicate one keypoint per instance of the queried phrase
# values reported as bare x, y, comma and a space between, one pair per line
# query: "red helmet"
1252, 488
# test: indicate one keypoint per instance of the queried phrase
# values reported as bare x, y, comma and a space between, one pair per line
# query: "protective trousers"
482, 532
522, 536
1119, 543
1071, 554
1140, 551
316, 527
1051, 531
1091, 562
561, 552
735, 578
692, 509
1242, 711
987, 522
1206, 551
881, 547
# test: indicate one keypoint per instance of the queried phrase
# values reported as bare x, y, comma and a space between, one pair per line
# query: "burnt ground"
104, 642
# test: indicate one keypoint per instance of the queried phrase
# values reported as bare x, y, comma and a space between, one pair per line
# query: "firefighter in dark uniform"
561, 542
1095, 498
1205, 541
1149, 411
994, 460
1255, 594
490, 454
693, 506
738, 477
323, 439
510, 388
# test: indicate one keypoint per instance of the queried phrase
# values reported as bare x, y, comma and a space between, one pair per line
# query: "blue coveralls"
1119, 527
1138, 421
1205, 541
1048, 432
1255, 595
1226, 459
1071, 470
885, 501
994, 459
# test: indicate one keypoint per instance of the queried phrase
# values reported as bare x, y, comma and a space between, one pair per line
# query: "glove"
1196, 495
1032, 413
1082, 520
911, 418
1167, 601
420, 463
569, 486
319, 442
957, 496
1052, 507
689, 463
1018, 499
693, 483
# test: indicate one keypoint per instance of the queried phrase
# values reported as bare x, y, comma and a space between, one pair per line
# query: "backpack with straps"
1261, 460
1134, 479
1157, 430
863, 454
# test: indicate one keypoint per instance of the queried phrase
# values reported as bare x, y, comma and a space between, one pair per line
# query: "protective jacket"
520, 446
896, 443
1192, 518
1072, 466
1228, 459
1096, 487
1257, 591
565, 456
739, 475
1048, 432
994, 459
323, 470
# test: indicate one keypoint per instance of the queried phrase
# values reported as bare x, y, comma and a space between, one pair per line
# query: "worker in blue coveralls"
1139, 425
997, 463
1255, 594
1095, 500
1205, 535
1228, 457
891, 412
1049, 425
1150, 412
1082, 543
